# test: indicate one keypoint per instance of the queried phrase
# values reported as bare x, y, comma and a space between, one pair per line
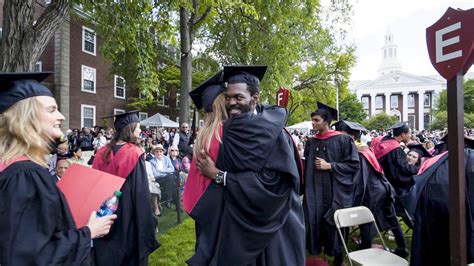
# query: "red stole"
4, 166
384, 147
196, 184
370, 156
120, 164
429, 162
375, 141
326, 135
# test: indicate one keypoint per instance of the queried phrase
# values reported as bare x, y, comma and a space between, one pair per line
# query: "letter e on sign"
451, 42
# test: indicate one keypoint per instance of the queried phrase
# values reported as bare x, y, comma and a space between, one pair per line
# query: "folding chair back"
353, 216
361, 215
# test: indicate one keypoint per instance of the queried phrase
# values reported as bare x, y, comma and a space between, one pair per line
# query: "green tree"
381, 121
351, 108
289, 37
440, 114
136, 38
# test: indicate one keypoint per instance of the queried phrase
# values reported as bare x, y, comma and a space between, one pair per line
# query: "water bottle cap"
118, 193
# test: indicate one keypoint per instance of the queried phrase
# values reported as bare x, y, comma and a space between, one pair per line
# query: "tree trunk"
24, 39
186, 64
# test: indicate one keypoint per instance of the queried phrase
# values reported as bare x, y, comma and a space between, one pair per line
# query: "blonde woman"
208, 139
36, 225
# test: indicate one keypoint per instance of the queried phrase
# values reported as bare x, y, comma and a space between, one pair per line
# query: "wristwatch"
219, 177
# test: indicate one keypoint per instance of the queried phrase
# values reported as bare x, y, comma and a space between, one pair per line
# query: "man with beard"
258, 171
399, 173
331, 163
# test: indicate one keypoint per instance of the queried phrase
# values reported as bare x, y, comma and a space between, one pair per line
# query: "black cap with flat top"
15, 87
343, 125
205, 94
330, 112
420, 149
399, 125
251, 75
122, 120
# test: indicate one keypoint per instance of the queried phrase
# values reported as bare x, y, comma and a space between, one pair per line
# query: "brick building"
82, 83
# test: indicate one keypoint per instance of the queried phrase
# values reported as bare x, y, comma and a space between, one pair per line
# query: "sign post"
282, 97
450, 46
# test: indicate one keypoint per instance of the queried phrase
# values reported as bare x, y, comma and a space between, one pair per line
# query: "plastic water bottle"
110, 205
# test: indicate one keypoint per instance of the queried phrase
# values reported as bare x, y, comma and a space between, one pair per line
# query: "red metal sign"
451, 42
282, 97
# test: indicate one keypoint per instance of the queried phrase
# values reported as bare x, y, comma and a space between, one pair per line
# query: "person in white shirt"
99, 141
163, 172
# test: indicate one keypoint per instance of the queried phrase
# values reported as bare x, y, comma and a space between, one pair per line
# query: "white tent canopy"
158, 120
305, 126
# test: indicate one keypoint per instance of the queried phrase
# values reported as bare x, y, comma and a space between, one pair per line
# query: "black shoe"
402, 252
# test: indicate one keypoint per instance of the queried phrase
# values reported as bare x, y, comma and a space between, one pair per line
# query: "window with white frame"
177, 119
427, 99
118, 111
88, 40
379, 102
411, 100
365, 102
178, 99
119, 85
87, 115
143, 116
39, 66
163, 100
393, 101
88, 79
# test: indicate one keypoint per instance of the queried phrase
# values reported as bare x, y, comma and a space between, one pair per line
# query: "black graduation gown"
328, 191
430, 244
378, 195
132, 237
257, 218
397, 170
36, 225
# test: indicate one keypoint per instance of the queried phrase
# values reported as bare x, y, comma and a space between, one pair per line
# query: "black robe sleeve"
262, 221
36, 226
132, 237
401, 173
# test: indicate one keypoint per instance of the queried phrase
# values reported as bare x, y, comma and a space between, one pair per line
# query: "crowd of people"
258, 194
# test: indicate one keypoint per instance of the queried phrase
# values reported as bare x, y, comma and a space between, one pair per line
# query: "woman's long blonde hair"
211, 125
21, 133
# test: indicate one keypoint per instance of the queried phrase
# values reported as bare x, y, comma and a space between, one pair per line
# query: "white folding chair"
372, 256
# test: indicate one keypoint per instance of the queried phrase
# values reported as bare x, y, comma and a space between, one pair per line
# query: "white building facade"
410, 97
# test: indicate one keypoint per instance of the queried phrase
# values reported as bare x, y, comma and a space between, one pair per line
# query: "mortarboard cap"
343, 125
399, 125
122, 120
251, 75
331, 113
205, 94
420, 149
15, 87
468, 142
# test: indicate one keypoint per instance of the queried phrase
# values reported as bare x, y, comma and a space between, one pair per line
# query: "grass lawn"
177, 245
178, 241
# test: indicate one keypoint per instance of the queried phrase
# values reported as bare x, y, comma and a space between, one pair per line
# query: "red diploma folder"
85, 190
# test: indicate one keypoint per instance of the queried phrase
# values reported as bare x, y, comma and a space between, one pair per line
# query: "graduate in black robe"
36, 225
428, 203
372, 188
256, 178
399, 173
331, 164
132, 237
